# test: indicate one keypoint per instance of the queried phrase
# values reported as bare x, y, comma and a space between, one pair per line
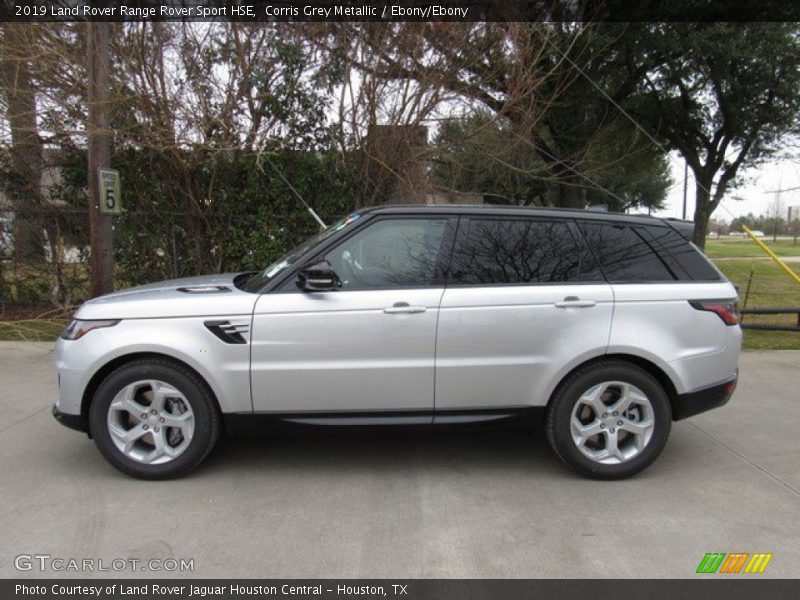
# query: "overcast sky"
754, 193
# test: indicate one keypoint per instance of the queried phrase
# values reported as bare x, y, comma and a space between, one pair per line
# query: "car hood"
209, 295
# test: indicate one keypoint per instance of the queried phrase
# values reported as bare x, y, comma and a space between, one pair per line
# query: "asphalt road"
409, 505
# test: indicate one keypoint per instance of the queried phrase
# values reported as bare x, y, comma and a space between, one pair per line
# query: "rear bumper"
72, 421
694, 403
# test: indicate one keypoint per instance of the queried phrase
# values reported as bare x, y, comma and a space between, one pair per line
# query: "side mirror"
317, 277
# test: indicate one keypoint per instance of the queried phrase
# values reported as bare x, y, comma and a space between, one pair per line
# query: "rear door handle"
403, 308
575, 302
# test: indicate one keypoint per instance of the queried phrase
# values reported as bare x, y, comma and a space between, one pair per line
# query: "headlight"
77, 329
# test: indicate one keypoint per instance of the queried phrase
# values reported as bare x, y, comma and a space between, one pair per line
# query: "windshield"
260, 279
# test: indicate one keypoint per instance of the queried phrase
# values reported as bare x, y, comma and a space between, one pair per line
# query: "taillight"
727, 310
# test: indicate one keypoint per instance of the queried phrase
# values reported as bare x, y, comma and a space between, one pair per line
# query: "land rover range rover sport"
603, 327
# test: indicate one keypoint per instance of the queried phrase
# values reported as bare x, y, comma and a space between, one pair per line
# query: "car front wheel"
609, 420
154, 419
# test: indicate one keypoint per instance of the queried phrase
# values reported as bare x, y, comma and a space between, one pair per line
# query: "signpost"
110, 192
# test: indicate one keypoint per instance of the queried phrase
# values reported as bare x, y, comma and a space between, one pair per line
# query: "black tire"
568, 394
206, 417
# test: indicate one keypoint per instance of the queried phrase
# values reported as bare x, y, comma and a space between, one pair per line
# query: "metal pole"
99, 149
786, 268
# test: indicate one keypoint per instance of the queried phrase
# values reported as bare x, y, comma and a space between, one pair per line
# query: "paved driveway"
410, 505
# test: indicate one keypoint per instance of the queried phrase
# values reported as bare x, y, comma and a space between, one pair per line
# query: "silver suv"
603, 327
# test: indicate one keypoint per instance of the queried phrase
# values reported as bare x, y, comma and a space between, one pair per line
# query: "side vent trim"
204, 289
230, 333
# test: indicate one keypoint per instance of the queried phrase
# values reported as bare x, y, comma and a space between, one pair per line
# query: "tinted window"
685, 260
506, 251
389, 253
624, 256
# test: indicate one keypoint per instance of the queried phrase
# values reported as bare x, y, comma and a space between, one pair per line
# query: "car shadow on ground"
371, 451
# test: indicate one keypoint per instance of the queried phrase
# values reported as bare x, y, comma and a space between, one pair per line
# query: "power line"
791, 189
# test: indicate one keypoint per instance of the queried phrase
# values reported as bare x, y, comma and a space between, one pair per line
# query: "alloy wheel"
151, 422
612, 422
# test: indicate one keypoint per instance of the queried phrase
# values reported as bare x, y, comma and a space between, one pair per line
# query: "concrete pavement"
409, 505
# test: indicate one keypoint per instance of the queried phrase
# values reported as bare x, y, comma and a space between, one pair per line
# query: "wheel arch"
646, 365
104, 371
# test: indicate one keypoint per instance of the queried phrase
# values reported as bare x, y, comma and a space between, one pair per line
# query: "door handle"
403, 308
575, 302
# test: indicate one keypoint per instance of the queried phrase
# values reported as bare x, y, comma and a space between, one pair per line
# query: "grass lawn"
30, 330
747, 248
32, 325
769, 286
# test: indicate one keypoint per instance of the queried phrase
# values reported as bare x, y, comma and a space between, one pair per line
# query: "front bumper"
75, 422
694, 403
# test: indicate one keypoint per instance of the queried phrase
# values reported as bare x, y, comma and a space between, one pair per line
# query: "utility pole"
685, 181
777, 215
99, 147
776, 209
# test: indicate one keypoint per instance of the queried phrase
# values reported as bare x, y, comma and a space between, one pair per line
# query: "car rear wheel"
609, 420
154, 419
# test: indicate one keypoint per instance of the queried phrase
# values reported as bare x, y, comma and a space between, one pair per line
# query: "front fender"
224, 367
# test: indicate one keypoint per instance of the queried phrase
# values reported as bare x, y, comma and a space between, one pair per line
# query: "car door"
524, 300
369, 345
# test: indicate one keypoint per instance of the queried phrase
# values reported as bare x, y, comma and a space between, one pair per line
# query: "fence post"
749, 281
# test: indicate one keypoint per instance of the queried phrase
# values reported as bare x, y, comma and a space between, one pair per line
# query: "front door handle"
575, 302
404, 308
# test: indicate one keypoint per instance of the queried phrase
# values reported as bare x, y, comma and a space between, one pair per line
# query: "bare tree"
383, 124
502, 67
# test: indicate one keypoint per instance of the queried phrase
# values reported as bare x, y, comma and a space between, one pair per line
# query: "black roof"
500, 210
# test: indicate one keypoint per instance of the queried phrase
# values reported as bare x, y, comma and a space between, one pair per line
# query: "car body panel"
177, 298
502, 345
224, 367
339, 350
656, 322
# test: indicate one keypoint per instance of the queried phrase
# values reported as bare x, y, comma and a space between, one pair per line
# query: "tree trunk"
702, 212
571, 196
24, 189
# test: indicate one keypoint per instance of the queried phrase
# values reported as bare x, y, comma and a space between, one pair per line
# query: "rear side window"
518, 251
685, 260
624, 255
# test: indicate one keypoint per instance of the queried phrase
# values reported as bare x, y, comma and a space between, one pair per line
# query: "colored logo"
735, 562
